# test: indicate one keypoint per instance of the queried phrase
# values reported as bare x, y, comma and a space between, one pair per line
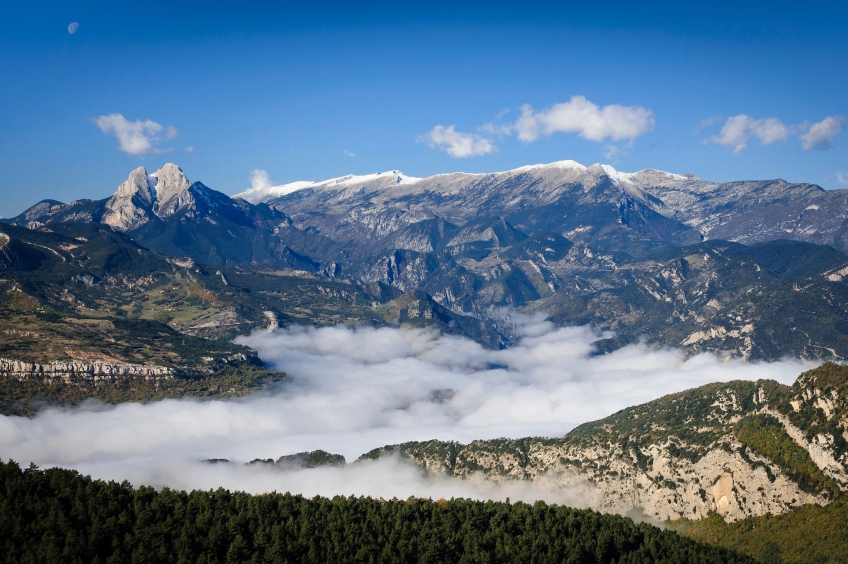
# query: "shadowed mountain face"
644, 254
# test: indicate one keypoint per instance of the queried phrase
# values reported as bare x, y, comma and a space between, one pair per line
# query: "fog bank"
355, 389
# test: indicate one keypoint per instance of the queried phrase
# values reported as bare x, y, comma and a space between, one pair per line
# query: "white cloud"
73, 27
496, 129
705, 123
613, 151
353, 390
457, 144
578, 115
259, 180
841, 177
348, 153
137, 137
738, 130
586, 119
189, 149
821, 134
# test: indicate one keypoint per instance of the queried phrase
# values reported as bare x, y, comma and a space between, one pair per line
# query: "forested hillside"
807, 535
59, 516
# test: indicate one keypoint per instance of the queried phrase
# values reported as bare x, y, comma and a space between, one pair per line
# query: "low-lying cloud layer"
354, 389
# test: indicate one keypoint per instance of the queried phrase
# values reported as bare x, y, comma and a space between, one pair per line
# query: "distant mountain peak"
162, 194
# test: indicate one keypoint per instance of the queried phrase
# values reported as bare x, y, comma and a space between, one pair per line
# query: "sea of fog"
355, 389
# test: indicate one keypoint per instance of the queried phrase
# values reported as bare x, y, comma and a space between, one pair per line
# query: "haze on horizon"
726, 92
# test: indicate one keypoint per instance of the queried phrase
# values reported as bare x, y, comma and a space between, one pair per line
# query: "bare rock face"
143, 196
95, 370
172, 190
131, 205
719, 448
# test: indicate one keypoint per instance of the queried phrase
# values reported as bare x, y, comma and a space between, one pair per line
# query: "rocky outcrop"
96, 370
669, 487
143, 196
172, 190
684, 455
132, 204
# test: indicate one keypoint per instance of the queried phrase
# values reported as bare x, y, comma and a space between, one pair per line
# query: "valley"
137, 298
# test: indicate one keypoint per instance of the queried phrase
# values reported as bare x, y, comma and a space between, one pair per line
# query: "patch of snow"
562, 165
152, 181
256, 195
618, 177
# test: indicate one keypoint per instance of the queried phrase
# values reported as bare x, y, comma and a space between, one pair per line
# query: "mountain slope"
581, 244
166, 213
715, 296
739, 449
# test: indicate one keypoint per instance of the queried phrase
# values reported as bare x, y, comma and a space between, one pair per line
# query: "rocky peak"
169, 182
162, 194
130, 206
136, 186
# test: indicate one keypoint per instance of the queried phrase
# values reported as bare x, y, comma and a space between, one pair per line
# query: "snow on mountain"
619, 177
264, 193
395, 177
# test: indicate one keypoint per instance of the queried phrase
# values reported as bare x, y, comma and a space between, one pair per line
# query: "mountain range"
136, 297
665, 257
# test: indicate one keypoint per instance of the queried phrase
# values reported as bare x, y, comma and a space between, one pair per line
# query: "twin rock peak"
143, 195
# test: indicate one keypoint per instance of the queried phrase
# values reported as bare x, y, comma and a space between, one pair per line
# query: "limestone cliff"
738, 449
143, 196
95, 370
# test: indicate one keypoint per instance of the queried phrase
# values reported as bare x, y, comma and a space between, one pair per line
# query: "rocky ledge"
92, 369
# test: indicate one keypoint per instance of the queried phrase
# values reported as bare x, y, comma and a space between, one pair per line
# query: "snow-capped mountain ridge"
269, 194
636, 213
265, 193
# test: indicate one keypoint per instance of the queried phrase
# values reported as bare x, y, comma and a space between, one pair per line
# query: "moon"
72, 29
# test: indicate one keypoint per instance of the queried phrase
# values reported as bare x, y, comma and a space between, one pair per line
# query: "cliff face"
738, 449
96, 370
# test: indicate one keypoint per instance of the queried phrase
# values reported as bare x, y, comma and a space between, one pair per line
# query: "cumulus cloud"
259, 180
457, 144
738, 130
821, 134
588, 120
189, 149
138, 138
705, 123
355, 389
578, 116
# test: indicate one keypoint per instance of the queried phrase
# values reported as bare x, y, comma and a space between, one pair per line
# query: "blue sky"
312, 92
